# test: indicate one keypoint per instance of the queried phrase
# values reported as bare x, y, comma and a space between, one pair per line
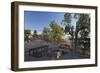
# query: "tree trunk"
76, 38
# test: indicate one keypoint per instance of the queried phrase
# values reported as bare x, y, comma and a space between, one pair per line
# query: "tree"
84, 42
83, 22
67, 22
35, 34
57, 31
67, 18
46, 30
27, 34
68, 27
47, 34
82, 25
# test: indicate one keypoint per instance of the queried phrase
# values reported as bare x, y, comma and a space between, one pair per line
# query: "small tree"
35, 34
57, 31
47, 35
27, 34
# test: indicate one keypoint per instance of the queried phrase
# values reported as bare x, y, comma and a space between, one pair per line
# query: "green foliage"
83, 29
68, 27
54, 33
83, 26
27, 34
57, 31
47, 34
35, 35
67, 22
84, 42
84, 21
67, 18
56, 28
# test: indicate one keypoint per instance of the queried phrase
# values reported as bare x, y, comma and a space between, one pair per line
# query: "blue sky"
35, 20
